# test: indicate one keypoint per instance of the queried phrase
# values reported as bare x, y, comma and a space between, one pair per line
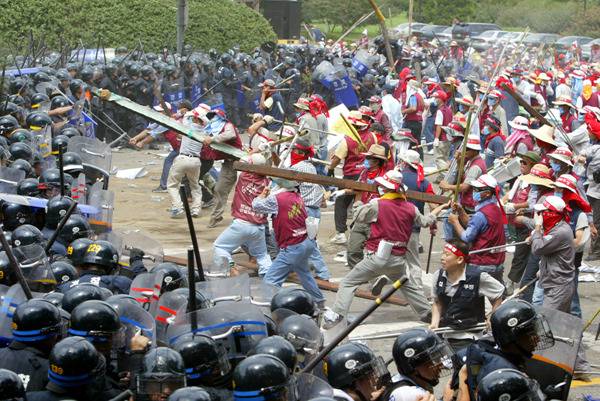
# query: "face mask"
563, 110
558, 193
555, 166
381, 191
517, 80
367, 164
492, 101
477, 196
533, 187
486, 130
462, 108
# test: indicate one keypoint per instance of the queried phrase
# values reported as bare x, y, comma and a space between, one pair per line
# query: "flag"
343, 127
89, 125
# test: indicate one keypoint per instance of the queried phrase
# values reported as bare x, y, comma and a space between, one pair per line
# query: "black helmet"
63, 75
133, 69
190, 394
303, 332
76, 227
20, 135
8, 124
226, 58
59, 141
72, 163
28, 187
279, 347
17, 85
37, 120
517, 322
41, 77
55, 298
15, 215
10, 109
80, 293
74, 362
63, 271
422, 346
36, 320
59, 101
20, 150
102, 253
295, 299
27, 234
77, 250
95, 320
86, 74
162, 369
56, 209
24, 166
205, 360
349, 362
261, 377
508, 384
76, 85
50, 178
17, 99
11, 386
173, 276
69, 131
147, 71
213, 53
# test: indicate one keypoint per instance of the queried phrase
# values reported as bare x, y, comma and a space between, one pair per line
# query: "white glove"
268, 119
509, 208
436, 142
256, 117
538, 220
339, 192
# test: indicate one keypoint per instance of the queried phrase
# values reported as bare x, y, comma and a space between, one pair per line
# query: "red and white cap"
473, 142
553, 203
567, 181
201, 110
485, 181
375, 99
578, 74
391, 180
519, 122
496, 93
411, 157
562, 154
440, 94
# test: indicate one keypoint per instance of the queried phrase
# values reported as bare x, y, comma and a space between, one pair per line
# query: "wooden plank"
324, 285
331, 181
525, 105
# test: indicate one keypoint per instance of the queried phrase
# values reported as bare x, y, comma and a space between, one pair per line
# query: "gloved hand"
339, 192
538, 220
256, 117
436, 142
135, 254
509, 208
268, 119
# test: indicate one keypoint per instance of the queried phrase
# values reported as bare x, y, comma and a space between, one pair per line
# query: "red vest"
354, 159
208, 153
593, 101
527, 141
290, 222
417, 115
395, 219
366, 197
248, 187
447, 114
567, 121
520, 196
466, 199
493, 235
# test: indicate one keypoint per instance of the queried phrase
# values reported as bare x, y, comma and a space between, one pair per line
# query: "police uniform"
29, 363
116, 284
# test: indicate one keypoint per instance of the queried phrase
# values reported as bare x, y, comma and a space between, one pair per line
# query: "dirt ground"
137, 207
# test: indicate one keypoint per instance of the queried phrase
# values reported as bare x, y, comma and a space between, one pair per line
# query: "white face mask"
381, 191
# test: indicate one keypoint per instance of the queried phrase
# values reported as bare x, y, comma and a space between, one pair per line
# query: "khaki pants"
359, 233
225, 183
185, 166
441, 154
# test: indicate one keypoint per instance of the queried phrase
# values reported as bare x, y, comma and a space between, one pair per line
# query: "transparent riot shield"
35, 266
261, 293
553, 367
103, 201
310, 386
169, 305
42, 142
145, 288
9, 179
79, 190
238, 327
322, 70
47, 87
231, 289
96, 157
13, 297
137, 238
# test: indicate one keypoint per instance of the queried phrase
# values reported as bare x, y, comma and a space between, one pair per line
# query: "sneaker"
213, 222
378, 285
339, 239
430, 152
331, 319
177, 213
195, 212
341, 257
159, 189
208, 204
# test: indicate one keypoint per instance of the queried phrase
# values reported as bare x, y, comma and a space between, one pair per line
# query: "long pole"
376, 304
384, 33
190, 223
181, 12
15, 265
192, 306
61, 169
357, 23
60, 226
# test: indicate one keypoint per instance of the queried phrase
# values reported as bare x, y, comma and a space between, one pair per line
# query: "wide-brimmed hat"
545, 134
455, 129
531, 156
562, 154
493, 122
411, 157
159, 107
567, 181
473, 142
554, 203
485, 181
302, 104
375, 99
466, 100
377, 151
403, 134
391, 180
356, 118
366, 112
543, 76
267, 82
519, 122
564, 101
539, 175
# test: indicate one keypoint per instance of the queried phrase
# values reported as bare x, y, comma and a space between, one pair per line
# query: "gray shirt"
489, 287
556, 254
310, 122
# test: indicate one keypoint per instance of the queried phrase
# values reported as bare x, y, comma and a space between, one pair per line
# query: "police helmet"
37, 99
102, 254
76, 85
74, 362
80, 293
59, 101
86, 74
279, 347
27, 234
69, 131
28, 187
173, 276
262, 377
303, 333
508, 385
36, 320
15, 215
350, 362
37, 120
20, 135
72, 163
8, 124
190, 394
77, 250
11, 386
94, 320
76, 227
295, 299
63, 271
59, 142
205, 359
24, 166
55, 298
20, 150
163, 371
56, 209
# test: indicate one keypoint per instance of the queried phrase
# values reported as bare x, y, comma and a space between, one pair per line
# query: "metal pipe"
15, 264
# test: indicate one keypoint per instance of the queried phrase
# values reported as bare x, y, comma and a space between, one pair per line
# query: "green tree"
442, 12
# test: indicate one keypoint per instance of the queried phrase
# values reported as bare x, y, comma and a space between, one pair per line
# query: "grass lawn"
373, 29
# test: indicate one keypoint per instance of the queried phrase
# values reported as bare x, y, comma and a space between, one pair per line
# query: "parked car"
466, 30
445, 36
536, 39
430, 32
511, 37
402, 29
586, 50
564, 43
486, 39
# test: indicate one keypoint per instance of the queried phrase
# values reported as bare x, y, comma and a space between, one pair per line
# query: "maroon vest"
395, 219
248, 187
527, 141
290, 222
567, 122
447, 114
520, 196
593, 101
365, 197
417, 115
208, 153
354, 159
493, 235
466, 198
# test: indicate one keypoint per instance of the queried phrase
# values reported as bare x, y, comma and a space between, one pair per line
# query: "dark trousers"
415, 128
520, 256
531, 269
340, 211
595, 203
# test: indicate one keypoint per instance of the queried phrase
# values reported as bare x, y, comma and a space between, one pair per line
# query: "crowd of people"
515, 137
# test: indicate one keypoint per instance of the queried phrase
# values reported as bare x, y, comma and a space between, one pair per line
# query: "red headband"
454, 250
540, 173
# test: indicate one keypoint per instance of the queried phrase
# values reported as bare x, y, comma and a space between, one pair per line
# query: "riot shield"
145, 288
173, 92
42, 142
555, 365
35, 266
9, 179
47, 87
261, 293
238, 327
96, 157
310, 386
322, 70
136, 238
13, 297
103, 201
169, 305
231, 289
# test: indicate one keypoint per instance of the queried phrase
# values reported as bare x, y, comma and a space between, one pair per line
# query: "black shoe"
378, 285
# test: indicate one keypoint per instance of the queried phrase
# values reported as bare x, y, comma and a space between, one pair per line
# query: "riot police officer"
162, 373
230, 88
508, 382
262, 377
36, 326
11, 386
191, 394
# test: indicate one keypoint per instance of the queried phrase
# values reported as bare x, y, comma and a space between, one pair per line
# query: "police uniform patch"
350, 364
504, 397
512, 322
409, 352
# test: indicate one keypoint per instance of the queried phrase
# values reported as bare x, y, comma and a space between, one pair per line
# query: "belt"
188, 155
